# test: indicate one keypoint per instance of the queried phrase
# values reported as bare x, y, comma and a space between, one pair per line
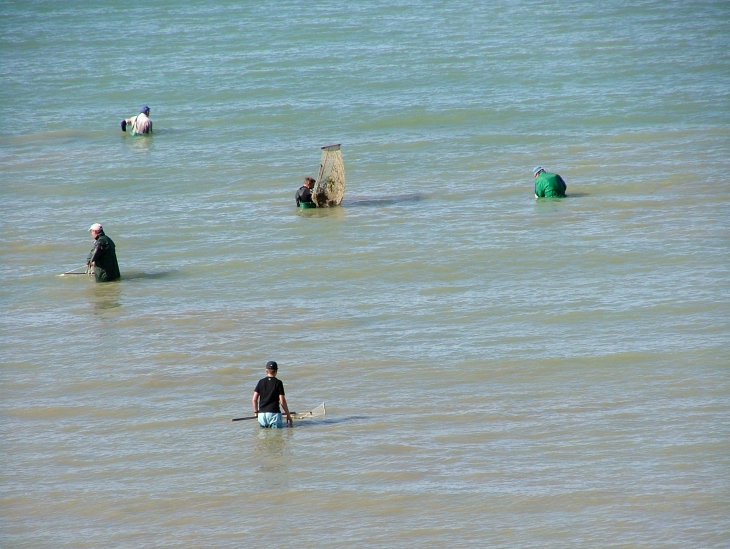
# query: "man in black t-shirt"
267, 396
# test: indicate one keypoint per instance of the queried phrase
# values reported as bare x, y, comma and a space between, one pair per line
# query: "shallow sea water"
498, 371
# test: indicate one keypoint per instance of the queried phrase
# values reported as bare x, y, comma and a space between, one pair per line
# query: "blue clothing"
270, 420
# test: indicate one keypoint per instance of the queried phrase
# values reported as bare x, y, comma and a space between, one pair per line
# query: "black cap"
272, 365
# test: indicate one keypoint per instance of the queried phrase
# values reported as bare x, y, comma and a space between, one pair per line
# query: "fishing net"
329, 190
318, 412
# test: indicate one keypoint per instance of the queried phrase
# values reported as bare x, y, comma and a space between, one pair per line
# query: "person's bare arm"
255, 403
282, 401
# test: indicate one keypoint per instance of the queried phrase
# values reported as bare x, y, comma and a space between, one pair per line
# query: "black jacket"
104, 258
303, 195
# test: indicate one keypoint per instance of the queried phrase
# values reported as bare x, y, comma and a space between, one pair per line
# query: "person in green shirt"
548, 184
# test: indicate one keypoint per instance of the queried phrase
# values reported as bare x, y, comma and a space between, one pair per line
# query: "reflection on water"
327, 421
138, 275
345, 419
335, 212
105, 295
338, 212
270, 448
139, 143
384, 200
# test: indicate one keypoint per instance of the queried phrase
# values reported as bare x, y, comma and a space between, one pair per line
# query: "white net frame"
319, 412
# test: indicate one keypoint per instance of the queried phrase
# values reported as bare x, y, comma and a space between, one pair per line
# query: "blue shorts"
270, 419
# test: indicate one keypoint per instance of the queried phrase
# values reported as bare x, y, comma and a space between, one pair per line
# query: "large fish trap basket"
329, 190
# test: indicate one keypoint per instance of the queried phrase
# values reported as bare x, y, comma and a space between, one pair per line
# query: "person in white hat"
140, 124
548, 184
102, 259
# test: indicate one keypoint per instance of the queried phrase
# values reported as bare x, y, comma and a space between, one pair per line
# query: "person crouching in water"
304, 194
548, 185
102, 259
140, 124
268, 395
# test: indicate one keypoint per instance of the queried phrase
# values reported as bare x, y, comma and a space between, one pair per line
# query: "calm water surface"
498, 371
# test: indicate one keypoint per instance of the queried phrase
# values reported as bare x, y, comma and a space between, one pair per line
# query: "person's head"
271, 368
145, 110
96, 229
537, 171
309, 182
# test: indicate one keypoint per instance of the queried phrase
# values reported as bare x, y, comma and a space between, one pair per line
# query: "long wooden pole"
253, 417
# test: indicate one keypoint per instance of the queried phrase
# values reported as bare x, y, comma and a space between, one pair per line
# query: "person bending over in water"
548, 184
140, 124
